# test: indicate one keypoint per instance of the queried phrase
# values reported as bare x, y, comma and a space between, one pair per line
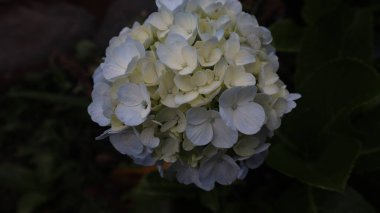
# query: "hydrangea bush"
193, 90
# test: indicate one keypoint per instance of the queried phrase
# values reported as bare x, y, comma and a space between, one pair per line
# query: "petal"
187, 175
224, 137
171, 5
185, 97
148, 139
95, 109
130, 95
161, 20
249, 118
237, 95
196, 116
166, 56
243, 57
199, 78
168, 125
246, 147
209, 88
127, 143
256, 160
183, 82
237, 77
187, 21
232, 47
130, 115
191, 57
222, 169
169, 149
199, 135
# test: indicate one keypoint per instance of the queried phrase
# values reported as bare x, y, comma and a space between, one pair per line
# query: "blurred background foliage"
325, 158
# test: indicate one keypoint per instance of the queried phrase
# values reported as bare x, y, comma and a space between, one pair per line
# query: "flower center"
144, 104
234, 106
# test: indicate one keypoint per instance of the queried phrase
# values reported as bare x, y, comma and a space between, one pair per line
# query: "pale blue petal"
130, 116
196, 116
148, 139
199, 135
222, 169
224, 136
130, 95
256, 160
127, 143
249, 118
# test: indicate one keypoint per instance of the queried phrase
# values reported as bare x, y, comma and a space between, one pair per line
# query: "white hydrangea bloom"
205, 127
239, 111
122, 59
236, 76
178, 55
185, 25
194, 87
236, 54
161, 21
135, 104
142, 33
209, 53
171, 5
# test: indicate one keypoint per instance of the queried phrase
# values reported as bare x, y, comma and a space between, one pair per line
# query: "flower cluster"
194, 88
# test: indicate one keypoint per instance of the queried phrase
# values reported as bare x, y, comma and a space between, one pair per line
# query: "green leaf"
17, 177
314, 9
317, 139
328, 170
311, 200
341, 33
154, 187
367, 122
29, 202
211, 200
287, 36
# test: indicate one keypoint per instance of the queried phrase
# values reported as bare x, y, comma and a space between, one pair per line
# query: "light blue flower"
220, 169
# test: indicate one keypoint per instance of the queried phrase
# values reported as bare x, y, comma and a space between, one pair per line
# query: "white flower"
142, 33
122, 59
276, 107
162, 83
101, 107
148, 139
178, 55
167, 89
128, 143
161, 21
191, 86
205, 126
208, 29
185, 25
239, 111
171, 5
171, 119
208, 52
148, 71
135, 104
268, 79
236, 76
117, 40
214, 8
235, 54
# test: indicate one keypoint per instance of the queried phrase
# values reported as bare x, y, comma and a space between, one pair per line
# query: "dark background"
325, 158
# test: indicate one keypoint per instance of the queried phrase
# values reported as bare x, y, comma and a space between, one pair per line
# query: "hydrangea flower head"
196, 87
